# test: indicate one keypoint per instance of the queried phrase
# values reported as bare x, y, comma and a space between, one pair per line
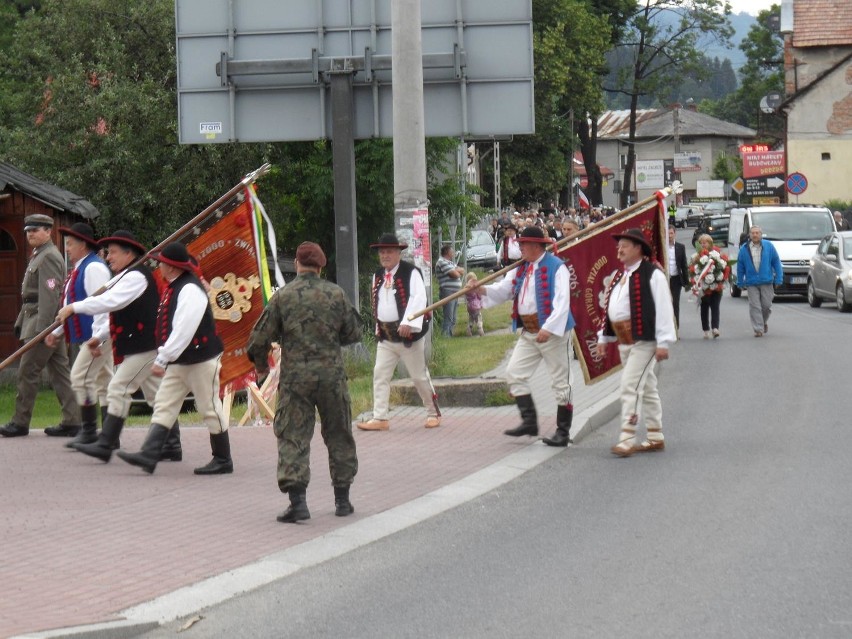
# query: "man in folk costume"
40, 293
398, 291
640, 317
509, 249
90, 373
189, 359
131, 300
540, 289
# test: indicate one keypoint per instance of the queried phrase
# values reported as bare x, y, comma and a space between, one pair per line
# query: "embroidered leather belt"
30, 300
531, 323
623, 332
389, 331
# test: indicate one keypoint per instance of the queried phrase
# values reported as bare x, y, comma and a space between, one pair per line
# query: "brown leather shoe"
623, 449
649, 446
374, 424
432, 422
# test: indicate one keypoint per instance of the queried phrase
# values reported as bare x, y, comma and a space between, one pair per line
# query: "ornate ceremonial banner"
229, 248
593, 262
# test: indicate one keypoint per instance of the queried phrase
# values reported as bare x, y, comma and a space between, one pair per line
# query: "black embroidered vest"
401, 285
206, 343
132, 327
643, 312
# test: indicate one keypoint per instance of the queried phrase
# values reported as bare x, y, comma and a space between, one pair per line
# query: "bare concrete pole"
409, 129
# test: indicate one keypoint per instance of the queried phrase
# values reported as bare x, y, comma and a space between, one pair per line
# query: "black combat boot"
107, 439
63, 430
89, 433
116, 444
152, 448
221, 464
298, 510
564, 415
172, 450
342, 505
529, 425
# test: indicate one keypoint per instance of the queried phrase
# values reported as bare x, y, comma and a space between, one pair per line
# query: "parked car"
682, 215
716, 227
830, 272
694, 216
718, 207
481, 252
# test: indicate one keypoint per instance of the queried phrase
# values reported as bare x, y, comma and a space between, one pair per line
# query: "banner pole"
608, 221
246, 181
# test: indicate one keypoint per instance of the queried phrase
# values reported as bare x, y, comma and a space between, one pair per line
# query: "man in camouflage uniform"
311, 319
40, 292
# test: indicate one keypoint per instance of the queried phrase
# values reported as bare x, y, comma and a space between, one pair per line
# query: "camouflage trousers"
295, 418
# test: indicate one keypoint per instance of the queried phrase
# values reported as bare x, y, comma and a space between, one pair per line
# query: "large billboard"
258, 70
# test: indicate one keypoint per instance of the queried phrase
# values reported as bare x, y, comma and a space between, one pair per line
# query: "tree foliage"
94, 111
569, 40
761, 74
662, 51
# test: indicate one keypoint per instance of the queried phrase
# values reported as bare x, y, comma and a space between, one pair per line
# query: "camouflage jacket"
311, 319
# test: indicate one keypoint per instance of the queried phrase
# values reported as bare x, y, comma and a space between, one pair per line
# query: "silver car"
480, 250
830, 272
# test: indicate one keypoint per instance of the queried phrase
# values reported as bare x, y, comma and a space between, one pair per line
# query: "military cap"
37, 220
310, 254
82, 232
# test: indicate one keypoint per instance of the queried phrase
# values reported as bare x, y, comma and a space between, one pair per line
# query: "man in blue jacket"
759, 270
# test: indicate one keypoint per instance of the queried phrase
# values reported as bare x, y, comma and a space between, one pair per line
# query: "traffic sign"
771, 185
797, 183
738, 186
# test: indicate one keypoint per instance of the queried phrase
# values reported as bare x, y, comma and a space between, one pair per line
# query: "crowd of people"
136, 329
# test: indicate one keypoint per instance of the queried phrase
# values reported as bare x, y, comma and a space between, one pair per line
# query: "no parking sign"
797, 183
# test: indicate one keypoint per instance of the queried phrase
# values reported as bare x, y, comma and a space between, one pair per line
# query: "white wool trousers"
639, 394
413, 357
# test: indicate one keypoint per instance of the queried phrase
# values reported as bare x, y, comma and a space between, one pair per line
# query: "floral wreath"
708, 271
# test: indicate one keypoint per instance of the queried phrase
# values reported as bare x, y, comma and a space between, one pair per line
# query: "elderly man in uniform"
397, 292
41, 290
640, 317
89, 372
189, 359
540, 289
311, 319
131, 299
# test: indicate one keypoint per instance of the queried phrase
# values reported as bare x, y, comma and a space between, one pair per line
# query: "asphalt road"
739, 529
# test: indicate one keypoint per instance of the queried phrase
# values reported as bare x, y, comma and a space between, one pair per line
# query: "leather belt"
623, 332
531, 323
389, 331
30, 300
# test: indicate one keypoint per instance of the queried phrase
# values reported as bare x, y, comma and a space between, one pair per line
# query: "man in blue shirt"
759, 270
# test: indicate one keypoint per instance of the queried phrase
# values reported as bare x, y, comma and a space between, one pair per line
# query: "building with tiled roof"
674, 143
818, 96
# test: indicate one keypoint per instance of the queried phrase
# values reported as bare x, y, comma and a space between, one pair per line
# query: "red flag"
584, 201
593, 261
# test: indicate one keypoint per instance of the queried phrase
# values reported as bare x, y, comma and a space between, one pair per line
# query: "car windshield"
479, 237
799, 225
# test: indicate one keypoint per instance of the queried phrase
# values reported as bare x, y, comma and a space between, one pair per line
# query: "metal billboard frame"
261, 70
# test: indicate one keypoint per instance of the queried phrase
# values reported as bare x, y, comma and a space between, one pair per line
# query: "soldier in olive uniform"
311, 319
41, 290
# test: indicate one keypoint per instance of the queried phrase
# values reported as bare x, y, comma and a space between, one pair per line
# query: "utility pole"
409, 129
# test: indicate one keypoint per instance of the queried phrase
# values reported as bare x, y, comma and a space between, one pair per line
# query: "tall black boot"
529, 425
298, 510
89, 432
172, 450
149, 455
564, 415
342, 505
107, 439
221, 464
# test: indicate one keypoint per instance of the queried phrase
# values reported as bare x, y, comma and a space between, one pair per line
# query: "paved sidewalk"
88, 543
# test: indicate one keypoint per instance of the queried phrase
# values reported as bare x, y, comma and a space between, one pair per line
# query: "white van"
795, 230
